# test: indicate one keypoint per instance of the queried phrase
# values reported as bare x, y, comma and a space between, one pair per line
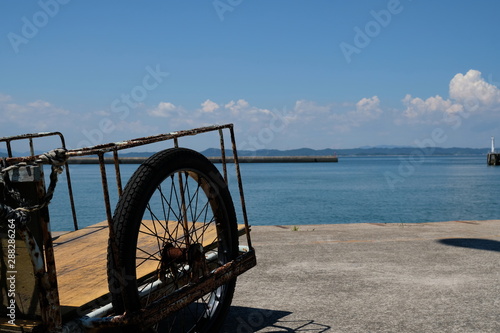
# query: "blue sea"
389, 189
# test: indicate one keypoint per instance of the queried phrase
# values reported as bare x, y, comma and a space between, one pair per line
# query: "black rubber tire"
209, 205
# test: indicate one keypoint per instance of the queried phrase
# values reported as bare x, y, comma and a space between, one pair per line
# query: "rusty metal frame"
45, 273
173, 302
40, 249
30, 137
114, 147
183, 296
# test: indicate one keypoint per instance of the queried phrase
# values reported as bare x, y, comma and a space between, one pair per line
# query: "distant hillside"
413, 150
371, 151
213, 152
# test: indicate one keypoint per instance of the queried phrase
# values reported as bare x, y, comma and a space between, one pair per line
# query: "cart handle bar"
114, 146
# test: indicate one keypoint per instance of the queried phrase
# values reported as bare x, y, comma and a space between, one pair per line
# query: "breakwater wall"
493, 159
242, 159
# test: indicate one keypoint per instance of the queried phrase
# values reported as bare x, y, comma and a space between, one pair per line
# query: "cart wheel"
174, 223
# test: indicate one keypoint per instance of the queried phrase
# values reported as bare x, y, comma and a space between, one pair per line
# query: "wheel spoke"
149, 256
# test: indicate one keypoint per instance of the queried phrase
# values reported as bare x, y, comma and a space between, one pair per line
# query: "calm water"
357, 189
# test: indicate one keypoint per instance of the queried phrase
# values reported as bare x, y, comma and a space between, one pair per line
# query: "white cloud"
417, 107
37, 116
468, 93
472, 89
341, 117
248, 119
210, 112
237, 107
209, 106
39, 104
4, 98
304, 107
242, 112
103, 113
367, 108
164, 109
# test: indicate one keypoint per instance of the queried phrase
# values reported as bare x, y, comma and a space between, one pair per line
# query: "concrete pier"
242, 159
493, 159
401, 277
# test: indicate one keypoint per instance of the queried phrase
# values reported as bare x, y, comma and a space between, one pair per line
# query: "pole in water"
492, 144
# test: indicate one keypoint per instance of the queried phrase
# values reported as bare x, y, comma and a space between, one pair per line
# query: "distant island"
363, 151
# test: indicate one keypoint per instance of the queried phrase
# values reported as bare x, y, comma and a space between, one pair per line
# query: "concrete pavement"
428, 277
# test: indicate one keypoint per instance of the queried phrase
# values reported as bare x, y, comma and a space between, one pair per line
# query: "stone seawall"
242, 159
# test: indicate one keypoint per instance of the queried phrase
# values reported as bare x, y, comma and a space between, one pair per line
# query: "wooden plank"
22, 325
81, 258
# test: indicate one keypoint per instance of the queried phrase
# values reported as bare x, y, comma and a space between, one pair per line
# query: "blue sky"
288, 73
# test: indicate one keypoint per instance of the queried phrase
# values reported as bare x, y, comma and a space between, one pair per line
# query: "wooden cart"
166, 260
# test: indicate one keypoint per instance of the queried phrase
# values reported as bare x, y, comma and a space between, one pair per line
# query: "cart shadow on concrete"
473, 243
250, 320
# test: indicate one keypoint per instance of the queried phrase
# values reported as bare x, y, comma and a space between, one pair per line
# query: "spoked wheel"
174, 224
